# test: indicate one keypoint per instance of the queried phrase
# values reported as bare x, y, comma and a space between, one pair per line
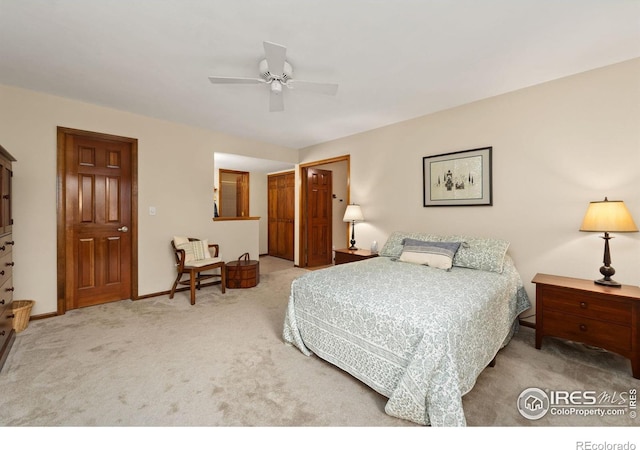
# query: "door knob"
124, 229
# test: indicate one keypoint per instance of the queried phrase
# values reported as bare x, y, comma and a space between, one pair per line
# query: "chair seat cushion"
203, 262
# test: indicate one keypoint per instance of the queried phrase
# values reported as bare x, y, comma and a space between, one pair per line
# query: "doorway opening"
321, 209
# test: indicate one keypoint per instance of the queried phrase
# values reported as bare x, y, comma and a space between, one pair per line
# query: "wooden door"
281, 215
98, 218
318, 216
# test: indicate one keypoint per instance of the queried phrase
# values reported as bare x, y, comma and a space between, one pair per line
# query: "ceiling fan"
276, 72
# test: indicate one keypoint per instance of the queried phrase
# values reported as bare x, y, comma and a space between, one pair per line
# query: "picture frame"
461, 178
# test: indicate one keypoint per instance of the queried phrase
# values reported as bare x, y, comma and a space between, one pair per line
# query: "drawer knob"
10, 264
583, 327
1, 272
9, 289
583, 305
9, 242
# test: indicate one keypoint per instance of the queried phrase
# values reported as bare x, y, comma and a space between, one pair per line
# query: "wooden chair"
193, 257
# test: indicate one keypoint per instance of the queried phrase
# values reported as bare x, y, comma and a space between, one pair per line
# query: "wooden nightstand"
582, 311
344, 255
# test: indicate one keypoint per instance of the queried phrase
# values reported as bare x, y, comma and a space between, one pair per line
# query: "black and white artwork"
458, 179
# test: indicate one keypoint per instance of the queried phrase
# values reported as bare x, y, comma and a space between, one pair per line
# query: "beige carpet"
222, 362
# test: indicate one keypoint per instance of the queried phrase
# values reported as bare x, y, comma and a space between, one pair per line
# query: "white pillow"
432, 254
195, 251
179, 240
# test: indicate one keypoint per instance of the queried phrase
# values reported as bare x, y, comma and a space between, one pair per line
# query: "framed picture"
458, 179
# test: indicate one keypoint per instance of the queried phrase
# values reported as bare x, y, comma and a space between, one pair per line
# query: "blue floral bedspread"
418, 335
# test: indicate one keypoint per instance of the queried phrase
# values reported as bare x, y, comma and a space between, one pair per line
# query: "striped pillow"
432, 254
195, 250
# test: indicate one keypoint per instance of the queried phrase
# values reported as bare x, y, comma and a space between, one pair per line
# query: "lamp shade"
608, 215
353, 213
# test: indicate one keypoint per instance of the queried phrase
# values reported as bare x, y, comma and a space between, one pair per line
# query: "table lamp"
608, 216
352, 214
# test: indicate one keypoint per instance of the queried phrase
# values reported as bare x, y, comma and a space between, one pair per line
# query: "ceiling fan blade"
275, 55
276, 101
322, 88
235, 80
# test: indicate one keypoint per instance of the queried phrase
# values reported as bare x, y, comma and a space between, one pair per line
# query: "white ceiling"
393, 59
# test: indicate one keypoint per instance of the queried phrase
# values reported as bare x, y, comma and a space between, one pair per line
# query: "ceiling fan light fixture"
275, 71
263, 70
276, 87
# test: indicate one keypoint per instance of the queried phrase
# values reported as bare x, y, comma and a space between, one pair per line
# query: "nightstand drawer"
587, 304
616, 338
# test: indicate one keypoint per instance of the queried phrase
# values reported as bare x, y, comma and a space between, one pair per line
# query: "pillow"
393, 246
474, 253
178, 240
433, 254
479, 253
195, 250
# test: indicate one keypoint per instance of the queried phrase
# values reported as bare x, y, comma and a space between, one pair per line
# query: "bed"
419, 335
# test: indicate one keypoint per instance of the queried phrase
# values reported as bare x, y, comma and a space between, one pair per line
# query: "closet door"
281, 215
286, 193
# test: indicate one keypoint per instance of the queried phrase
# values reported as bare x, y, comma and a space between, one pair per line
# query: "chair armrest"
180, 258
216, 247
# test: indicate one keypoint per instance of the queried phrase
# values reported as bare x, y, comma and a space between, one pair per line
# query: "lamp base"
353, 236
609, 282
607, 271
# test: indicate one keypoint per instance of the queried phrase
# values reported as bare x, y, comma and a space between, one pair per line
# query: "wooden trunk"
243, 273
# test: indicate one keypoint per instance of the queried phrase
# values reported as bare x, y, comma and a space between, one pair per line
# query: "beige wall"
556, 147
258, 207
175, 174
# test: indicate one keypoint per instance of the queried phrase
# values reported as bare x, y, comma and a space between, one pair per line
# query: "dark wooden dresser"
582, 311
7, 333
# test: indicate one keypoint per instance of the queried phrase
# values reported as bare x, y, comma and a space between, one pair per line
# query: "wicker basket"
21, 314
